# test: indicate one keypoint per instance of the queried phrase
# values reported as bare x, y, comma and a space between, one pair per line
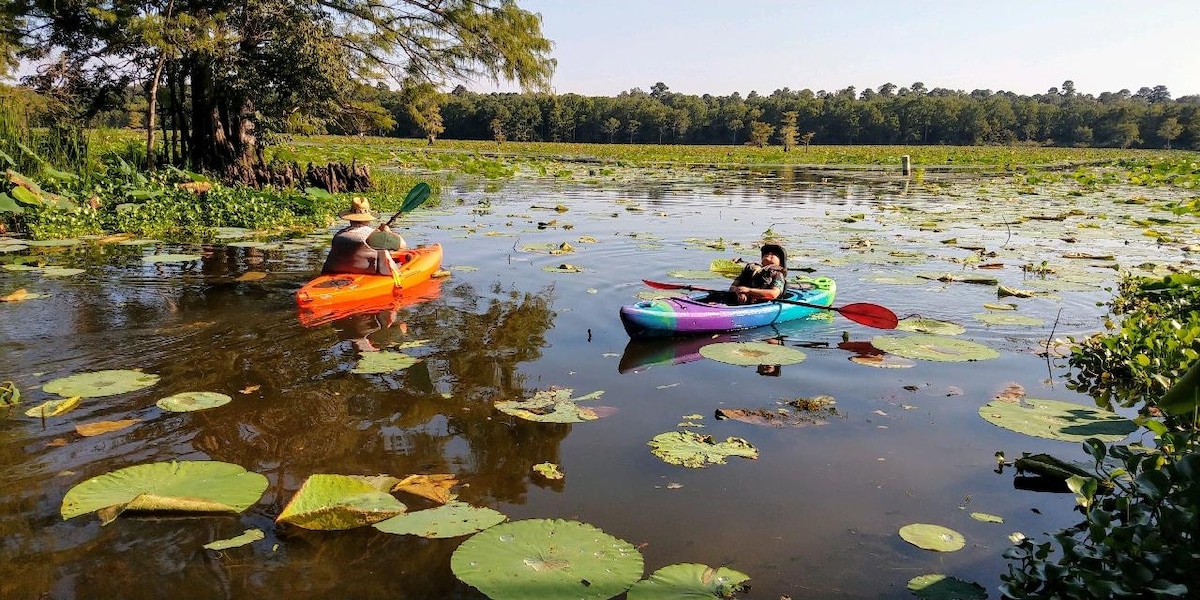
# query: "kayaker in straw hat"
350, 252
759, 282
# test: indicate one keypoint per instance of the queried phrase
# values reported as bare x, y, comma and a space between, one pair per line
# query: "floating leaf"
102, 427
335, 502
9, 394
434, 487
883, 361
247, 537
191, 486
800, 412
1006, 319
1002, 291
692, 274
453, 519
986, 518
933, 537
726, 267
251, 276
1057, 420
170, 258
384, 362
690, 580
554, 405
543, 558
53, 408
752, 353
191, 401
60, 271
548, 470
933, 326
100, 383
999, 306
563, 268
933, 347
897, 279
696, 451
936, 586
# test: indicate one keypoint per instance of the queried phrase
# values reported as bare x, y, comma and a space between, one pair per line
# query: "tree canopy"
230, 71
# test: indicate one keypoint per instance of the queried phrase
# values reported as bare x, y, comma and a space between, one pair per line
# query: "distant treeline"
1149, 118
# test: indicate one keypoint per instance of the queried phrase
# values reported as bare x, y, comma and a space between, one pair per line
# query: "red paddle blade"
658, 285
871, 315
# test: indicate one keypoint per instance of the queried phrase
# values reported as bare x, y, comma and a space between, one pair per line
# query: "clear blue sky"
604, 47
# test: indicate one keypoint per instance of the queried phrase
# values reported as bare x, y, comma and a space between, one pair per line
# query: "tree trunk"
152, 110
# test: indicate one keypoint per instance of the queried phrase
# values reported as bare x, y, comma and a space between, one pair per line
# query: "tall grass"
30, 150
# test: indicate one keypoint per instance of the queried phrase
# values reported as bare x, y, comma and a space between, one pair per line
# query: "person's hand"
384, 227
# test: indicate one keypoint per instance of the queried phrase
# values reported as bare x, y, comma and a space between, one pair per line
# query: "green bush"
1140, 541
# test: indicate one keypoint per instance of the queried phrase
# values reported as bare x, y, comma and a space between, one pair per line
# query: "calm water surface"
815, 516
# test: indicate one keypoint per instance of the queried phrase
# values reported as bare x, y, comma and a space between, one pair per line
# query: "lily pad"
883, 361
563, 268
547, 558
726, 267
1057, 420
690, 580
384, 362
548, 470
53, 408
695, 274
190, 486
190, 401
935, 586
452, 519
933, 537
923, 346
752, 353
434, 487
61, 271
102, 427
696, 451
170, 258
247, 537
934, 326
898, 279
100, 383
335, 502
986, 518
554, 405
1008, 319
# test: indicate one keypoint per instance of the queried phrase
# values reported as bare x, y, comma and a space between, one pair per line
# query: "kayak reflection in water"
352, 251
762, 281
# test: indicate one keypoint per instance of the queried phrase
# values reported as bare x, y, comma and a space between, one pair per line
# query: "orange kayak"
417, 265
314, 316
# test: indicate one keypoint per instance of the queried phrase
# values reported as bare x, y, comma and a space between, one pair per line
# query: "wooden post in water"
905, 165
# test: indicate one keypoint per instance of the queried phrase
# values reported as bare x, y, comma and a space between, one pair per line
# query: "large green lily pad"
190, 401
170, 258
100, 383
752, 353
696, 451
933, 326
384, 362
547, 558
449, 520
935, 586
689, 580
1057, 420
933, 537
923, 346
334, 502
554, 405
190, 486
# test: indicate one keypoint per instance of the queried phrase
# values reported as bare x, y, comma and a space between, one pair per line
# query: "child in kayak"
352, 252
760, 282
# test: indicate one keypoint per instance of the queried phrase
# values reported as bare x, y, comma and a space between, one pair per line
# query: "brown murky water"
815, 516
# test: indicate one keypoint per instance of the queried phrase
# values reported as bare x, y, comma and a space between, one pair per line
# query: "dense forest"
1148, 118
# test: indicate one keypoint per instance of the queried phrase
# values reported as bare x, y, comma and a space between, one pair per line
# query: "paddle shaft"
871, 315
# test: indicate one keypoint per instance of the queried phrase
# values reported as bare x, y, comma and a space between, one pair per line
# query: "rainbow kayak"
417, 265
707, 312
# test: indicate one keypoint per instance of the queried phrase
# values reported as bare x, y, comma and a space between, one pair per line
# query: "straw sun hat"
360, 210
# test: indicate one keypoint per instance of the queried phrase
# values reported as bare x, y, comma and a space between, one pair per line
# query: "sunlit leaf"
384, 362
543, 558
554, 405
933, 537
434, 487
453, 519
933, 326
690, 581
936, 586
247, 537
335, 502
192, 401
53, 408
170, 258
548, 470
102, 427
1008, 319
9, 394
188, 486
752, 353
986, 518
933, 347
692, 450
1057, 420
